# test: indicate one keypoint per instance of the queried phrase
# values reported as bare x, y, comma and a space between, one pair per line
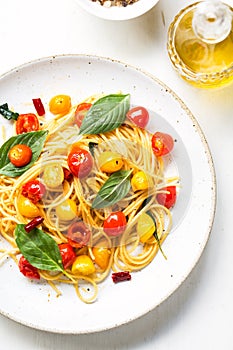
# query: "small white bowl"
117, 13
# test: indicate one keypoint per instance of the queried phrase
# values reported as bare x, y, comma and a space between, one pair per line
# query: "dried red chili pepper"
33, 223
121, 276
38, 106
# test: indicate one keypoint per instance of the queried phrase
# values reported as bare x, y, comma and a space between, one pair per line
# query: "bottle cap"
212, 21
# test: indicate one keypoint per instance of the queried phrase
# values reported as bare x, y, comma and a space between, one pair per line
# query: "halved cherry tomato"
67, 210
145, 227
83, 265
20, 155
27, 269
53, 175
162, 144
110, 162
81, 112
80, 162
168, 198
141, 181
27, 208
139, 116
102, 256
67, 253
60, 104
27, 123
34, 190
115, 224
78, 234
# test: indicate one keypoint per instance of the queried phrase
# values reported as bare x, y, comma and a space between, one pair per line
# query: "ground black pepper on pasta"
109, 3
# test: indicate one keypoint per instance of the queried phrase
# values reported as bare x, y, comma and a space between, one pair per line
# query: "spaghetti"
131, 250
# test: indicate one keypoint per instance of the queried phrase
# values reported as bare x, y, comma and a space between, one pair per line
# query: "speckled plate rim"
207, 152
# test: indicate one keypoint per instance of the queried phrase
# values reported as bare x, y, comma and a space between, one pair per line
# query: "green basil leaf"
113, 190
106, 114
39, 249
35, 140
92, 146
7, 114
145, 202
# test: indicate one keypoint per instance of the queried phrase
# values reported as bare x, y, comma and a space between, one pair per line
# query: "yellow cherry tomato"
102, 256
110, 162
53, 175
145, 227
141, 181
27, 208
83, 265
67, 210
60, 104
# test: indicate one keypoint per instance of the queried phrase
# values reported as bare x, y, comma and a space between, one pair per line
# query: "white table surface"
199, 315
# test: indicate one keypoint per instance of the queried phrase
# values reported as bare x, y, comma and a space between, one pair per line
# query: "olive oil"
200, 44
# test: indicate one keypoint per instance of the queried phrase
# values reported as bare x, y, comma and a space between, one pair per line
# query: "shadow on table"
137, 38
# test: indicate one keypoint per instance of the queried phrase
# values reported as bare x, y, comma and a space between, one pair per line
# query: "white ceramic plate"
116, 13
35, 304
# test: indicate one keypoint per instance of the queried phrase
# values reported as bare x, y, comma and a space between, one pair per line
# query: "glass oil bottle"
200, 44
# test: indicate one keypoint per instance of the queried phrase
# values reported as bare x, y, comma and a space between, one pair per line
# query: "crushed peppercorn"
120, 3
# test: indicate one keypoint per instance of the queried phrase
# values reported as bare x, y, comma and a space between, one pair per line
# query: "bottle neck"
212, 21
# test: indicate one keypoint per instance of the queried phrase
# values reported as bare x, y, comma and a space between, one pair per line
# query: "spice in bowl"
109, 3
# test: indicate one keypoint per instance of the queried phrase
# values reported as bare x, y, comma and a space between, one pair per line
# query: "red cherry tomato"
33, 190
20, 155
81, 112
78, 234
80, 162
139, 116
167, 199
27, 269
115, 224
26, 123
162, 144
67, 254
